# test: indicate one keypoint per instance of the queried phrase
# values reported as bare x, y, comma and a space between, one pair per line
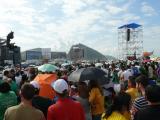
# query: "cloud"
113, 9
50, 3
151, 39
58, 24
130, 17
148, 10
71, 7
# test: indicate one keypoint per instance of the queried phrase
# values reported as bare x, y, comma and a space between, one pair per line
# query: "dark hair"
128, 66
132, 80
84, 93
21, 72
95, 84
27, 91
6, 72
64, 94
120, 100
143, 80
12, 71
24, 79
152, 93
5, 87
37, 91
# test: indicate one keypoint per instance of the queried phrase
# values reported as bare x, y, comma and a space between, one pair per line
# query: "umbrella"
91, 73
65, 64
98, 64
48, 68
45, 81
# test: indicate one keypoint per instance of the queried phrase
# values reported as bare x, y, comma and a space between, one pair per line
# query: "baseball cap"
60, 85
35, 84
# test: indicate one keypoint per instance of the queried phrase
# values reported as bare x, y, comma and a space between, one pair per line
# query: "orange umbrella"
45, 81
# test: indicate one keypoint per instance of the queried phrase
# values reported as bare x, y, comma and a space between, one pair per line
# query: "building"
31, 55
58, 55
39, 55
82, 52
36, 54
46, 53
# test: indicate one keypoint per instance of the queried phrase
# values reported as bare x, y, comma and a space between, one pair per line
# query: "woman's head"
95, 84
121, 103
83, 90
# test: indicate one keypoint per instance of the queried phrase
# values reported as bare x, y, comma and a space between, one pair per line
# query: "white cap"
60, 85
35, 84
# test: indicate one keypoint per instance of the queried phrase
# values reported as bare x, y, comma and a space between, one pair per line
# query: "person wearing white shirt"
126, 74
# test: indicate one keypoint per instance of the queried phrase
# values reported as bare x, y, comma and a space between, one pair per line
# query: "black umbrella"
91, 73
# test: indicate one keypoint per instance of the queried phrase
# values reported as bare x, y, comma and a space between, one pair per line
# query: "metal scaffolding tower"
130, 41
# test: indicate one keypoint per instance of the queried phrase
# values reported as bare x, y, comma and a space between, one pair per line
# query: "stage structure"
130, 41
9, 52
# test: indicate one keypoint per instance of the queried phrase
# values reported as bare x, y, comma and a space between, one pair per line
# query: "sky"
59, 24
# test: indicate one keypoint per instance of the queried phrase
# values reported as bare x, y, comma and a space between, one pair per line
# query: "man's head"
131, 82
6, 73
27, 91
5, 87
152, 93
142, 82
61, 87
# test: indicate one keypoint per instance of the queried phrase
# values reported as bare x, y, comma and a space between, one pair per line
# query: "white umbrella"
98, 64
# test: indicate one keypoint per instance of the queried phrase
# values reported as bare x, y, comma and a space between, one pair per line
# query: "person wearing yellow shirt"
120, 106
96, 100
132, 90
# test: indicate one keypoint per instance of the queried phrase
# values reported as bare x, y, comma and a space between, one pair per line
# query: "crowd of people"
132, 93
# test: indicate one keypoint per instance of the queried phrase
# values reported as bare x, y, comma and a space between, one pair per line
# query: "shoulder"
140, 99
55, 107
37, 111
50, 108
13, 108
76, 104
116, 116
128, 91
140, 103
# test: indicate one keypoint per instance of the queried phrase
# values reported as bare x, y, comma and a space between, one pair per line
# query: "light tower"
130, 41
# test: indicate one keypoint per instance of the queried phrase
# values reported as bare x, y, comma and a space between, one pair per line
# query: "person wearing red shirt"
65, 108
